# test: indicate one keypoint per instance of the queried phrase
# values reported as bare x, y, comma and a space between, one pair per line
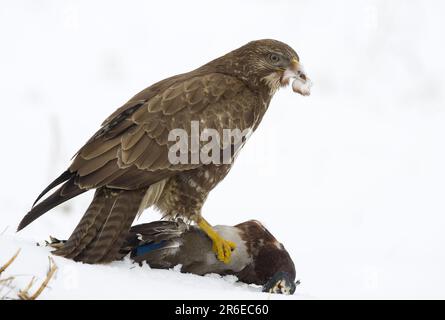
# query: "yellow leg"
223, 248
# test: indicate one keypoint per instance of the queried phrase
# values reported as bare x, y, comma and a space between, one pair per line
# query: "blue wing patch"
146, 248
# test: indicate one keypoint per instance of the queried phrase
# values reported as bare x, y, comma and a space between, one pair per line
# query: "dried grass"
7, 284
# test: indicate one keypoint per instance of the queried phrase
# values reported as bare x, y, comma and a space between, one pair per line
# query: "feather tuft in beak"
301, 83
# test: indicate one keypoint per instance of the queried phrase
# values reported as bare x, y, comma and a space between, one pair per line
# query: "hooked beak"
301, 83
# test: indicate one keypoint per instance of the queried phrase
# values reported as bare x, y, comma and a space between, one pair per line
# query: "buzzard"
127, 159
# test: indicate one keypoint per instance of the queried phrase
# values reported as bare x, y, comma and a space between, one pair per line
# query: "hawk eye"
274, 58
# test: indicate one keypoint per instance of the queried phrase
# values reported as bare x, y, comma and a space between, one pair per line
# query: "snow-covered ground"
351, 179
118, 280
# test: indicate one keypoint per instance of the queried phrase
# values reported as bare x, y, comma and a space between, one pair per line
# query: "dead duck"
258, 258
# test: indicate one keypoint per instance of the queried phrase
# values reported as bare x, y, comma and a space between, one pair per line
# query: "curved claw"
222, 247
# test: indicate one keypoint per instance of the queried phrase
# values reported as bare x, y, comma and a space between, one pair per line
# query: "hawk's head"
269, 63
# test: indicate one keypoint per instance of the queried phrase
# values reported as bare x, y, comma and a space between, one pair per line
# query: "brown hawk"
127, 159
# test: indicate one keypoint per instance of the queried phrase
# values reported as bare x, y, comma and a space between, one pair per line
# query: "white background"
351, 179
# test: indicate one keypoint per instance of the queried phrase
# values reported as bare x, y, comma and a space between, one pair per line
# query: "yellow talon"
222, 247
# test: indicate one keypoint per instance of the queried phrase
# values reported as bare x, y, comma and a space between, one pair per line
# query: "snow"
349, 179
118, 280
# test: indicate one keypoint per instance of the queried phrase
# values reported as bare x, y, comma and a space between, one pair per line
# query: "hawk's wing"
131, 148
